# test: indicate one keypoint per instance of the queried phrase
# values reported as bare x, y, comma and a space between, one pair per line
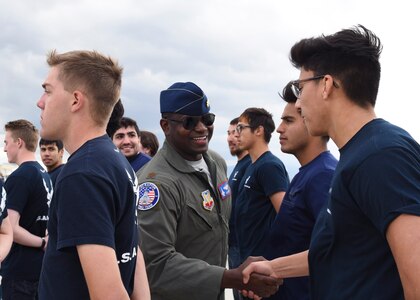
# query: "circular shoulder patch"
148, 196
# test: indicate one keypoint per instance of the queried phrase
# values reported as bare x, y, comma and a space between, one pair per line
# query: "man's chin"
130, 154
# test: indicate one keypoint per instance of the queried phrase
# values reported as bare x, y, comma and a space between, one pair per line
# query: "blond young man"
93, 250
29, 191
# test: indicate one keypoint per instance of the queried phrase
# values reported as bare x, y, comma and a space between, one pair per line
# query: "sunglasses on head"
190, 122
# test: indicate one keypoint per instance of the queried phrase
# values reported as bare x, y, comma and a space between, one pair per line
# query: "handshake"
254, 280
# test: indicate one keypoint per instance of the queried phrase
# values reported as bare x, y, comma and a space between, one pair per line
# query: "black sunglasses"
190, 122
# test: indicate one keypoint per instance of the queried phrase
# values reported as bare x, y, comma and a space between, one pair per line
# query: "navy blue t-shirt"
3, 210
94, 203
138, 161
376, 180
54, 173
254, 212
292, 228
29, 192
234, 181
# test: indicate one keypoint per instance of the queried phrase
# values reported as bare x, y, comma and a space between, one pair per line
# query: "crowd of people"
126, 219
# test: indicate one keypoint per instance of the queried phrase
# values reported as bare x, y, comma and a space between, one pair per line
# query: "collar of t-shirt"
200, 166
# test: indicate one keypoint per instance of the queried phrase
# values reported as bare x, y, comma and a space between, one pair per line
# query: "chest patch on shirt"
224, 190
208, 202
148, 196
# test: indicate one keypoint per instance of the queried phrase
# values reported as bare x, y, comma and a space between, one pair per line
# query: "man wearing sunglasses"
184, 206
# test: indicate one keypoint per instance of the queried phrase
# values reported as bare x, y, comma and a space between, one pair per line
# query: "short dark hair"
124, 122
259, 117
234, 121
149, 140
350, 55
114, 120
287, 94
58, 143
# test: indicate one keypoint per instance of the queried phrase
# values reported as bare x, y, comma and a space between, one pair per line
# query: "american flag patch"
148, 196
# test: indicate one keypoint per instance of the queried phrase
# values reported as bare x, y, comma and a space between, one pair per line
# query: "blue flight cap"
184, 98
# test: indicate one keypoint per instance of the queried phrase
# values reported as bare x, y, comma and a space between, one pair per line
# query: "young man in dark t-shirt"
365, 243
29, 192
126, 137
93, 249
306, 196
52, 156
262, 186
244, 160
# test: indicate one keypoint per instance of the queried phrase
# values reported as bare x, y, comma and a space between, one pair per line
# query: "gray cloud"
237, 51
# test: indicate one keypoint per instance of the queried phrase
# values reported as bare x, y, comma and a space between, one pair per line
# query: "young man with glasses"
366, 242
263, 184
185, 204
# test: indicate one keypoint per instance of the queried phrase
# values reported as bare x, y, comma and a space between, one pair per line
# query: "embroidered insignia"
224, 190
151, 175
208, 202
148, 196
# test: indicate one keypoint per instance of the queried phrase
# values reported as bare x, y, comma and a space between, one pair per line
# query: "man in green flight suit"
184, 206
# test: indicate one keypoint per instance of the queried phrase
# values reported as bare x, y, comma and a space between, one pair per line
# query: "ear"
328, 86
78, 101
164, 124
20, 143
259, 131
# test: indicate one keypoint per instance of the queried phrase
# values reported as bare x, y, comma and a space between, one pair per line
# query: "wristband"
43, 243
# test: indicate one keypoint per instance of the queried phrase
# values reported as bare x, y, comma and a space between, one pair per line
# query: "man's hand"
258, 285
250, 272
261, 267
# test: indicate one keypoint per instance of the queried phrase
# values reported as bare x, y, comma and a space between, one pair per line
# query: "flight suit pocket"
199, 218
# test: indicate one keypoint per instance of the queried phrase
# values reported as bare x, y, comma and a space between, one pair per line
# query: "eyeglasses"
190, 122
240, 127
297, 89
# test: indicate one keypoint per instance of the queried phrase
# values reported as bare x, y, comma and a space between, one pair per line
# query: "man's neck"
257, 150
50, 169
310, 152
76, 140
242, 155
25, 156
347, 120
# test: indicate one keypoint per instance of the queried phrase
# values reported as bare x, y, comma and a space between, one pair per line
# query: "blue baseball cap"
184, 98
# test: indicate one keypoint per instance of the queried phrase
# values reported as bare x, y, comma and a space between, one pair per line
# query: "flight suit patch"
224, 190
151, 175
148, 196
208, 202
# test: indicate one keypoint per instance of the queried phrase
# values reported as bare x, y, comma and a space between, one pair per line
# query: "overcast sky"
236, 51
